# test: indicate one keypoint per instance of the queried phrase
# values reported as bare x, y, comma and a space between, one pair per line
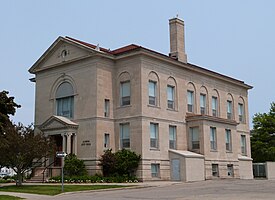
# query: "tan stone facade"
188, 123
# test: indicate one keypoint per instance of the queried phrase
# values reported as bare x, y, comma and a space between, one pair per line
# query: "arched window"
215, 103
241, 110
171, 93
65, 100
203, 100
230, 106
153, 89
191, 95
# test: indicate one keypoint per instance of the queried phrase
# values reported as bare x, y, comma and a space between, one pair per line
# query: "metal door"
175, 169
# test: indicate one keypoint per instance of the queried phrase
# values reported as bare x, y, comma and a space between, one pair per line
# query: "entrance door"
175, 169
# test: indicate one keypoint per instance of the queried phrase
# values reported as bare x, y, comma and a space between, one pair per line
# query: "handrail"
45, 170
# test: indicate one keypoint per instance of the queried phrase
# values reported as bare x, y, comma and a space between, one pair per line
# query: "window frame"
106, 107
171, 102
243, 145
154, 140
106, 141
213, 143
203, 104
172, 142
229, 105
241, 112
215, 170
190, 101
228, 140
152, 99
122, 135
124, 99
195, 144
215, 106
155, 170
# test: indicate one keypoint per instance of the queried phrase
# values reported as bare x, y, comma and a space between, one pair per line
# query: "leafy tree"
7, 107
73, 166
124, 162
263, 136
107, 162
19, 146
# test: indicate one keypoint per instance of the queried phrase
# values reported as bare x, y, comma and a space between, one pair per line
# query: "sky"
232, 37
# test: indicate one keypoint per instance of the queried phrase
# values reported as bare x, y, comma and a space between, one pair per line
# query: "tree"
263, 136
19, 146
124, 162
7, 107
74, 166
107, 162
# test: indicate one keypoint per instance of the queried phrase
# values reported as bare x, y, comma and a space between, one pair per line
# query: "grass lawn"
54, 189
7, 197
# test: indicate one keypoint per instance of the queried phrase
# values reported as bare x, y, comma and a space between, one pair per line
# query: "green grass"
7, 197
54, 189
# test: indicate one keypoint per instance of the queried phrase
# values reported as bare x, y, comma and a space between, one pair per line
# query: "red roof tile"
125, 49
113, 52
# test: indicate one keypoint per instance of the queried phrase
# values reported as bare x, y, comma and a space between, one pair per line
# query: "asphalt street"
212, 189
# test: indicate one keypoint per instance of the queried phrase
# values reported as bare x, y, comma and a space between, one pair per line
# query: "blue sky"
235, 38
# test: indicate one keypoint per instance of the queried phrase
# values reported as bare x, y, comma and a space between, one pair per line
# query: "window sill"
126, 106
213, 150
154, 149
229, 151
153, 106
170, 109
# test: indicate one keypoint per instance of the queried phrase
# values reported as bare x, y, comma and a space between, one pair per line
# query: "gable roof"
131, 48
58, 122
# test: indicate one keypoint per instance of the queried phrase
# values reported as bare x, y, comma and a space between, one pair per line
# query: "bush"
119, 164
74, 166
94, 179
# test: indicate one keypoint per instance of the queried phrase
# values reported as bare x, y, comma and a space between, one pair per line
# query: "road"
206, 190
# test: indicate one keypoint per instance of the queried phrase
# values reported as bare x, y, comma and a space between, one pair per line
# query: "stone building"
187, 122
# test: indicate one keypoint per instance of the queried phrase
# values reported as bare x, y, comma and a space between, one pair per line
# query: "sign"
61, 154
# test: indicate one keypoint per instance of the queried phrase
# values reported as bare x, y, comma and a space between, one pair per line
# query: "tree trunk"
19, 179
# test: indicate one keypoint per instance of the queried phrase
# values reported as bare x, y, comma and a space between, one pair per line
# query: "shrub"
119, 164
74, 166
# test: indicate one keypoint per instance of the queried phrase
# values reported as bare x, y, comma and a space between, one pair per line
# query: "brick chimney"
177, 49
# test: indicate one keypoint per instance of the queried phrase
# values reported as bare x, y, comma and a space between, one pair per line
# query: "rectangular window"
241, 112
106, 140
155, 170
172, 137
190, 101
152, 93
203, 103
124, 136
106, 108
228, 143
65, 107
125, 93
230, 170
170, 97
194, 137
213, 138
215, 170
229, 109
243, 144
153, 135
214, 106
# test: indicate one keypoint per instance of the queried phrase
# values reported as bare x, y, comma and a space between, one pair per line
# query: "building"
187, 122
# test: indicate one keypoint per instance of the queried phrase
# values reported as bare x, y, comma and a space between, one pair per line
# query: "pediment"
62, 51
57, 123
